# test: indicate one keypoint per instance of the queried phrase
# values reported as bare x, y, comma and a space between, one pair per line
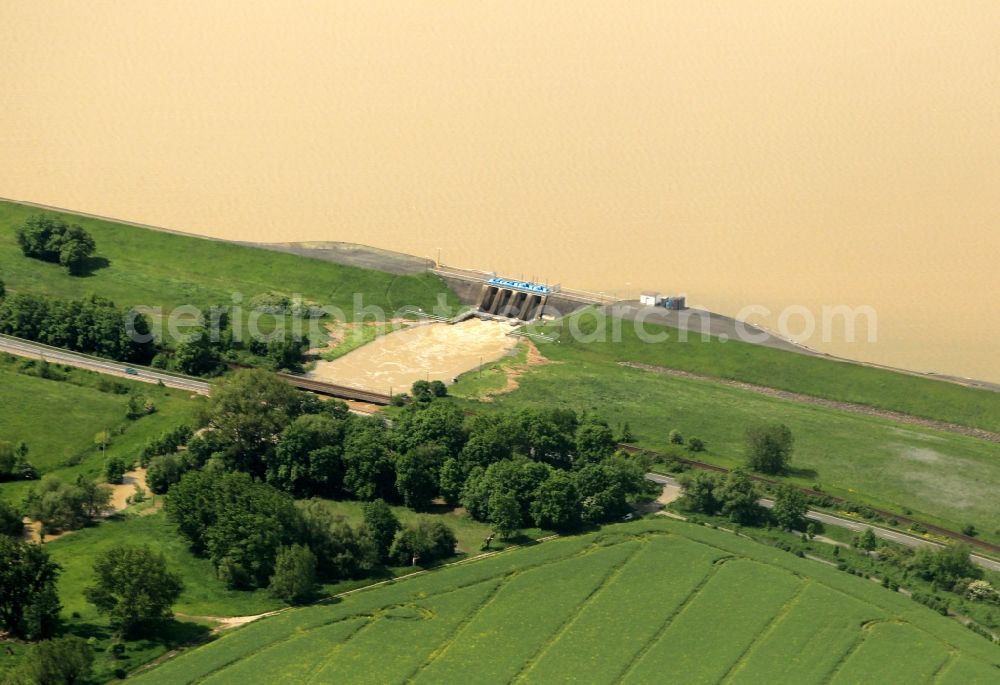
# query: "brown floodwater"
434, 352
779, 153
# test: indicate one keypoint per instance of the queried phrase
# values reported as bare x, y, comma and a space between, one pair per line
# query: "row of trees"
51, 239
737, 497
93, 325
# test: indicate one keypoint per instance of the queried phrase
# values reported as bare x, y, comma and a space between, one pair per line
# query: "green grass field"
650, 601
773, 368
941, 477
204, 595
59, 420
154, 268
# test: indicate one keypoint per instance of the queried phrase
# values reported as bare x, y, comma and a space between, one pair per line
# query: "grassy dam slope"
644, 602
138, 266
597, 340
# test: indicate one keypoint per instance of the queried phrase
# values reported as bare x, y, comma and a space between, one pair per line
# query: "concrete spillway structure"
513, 299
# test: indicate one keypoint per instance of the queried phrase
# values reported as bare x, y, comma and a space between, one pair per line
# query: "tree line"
92, 325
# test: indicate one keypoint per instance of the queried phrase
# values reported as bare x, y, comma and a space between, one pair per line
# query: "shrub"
423, 543
932, 601
769, 447
10, 520
294, 579
163, 472
114, 470
696, 445
66, 659
981, 591
167, 443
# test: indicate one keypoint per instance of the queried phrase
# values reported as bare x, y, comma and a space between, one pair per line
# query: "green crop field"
649, 601
147, 267
809, 375
59, 420
940, 477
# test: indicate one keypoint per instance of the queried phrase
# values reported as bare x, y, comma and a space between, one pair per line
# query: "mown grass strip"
806, 374
154, 268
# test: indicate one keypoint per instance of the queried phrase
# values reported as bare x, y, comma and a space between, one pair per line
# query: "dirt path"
121, 493
515, 371
848, 407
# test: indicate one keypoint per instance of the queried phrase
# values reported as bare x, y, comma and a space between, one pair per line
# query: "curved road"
24, 348
857, 526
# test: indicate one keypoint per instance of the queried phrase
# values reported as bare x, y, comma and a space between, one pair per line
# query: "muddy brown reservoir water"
742, 153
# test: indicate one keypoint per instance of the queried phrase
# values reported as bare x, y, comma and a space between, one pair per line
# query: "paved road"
26, 348
51, 354
850, 524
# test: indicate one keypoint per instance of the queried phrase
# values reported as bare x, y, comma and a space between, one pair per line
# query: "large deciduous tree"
249, 410
369, 471
381, 525
738, 497
29, 603
133, 586
417, 475
556, 503
769, 447
238, 523
790, 506
308, 459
